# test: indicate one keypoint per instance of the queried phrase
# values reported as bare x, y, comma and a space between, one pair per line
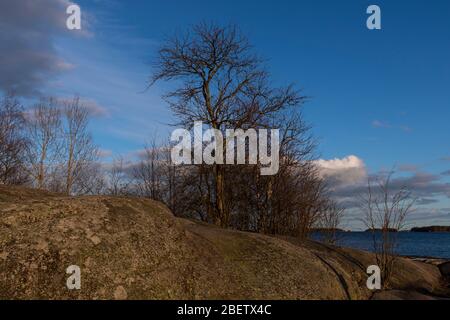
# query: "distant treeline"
432, 229
382, 230
416, 229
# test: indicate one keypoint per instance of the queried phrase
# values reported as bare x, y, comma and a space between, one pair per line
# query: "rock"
445, 269
95, 240
4, 255
136, 249
120, 293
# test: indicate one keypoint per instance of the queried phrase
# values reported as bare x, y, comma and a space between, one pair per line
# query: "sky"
379, 99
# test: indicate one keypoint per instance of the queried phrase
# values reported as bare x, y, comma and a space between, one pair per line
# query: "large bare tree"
223, 84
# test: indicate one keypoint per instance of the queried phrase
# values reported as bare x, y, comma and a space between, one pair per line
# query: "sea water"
432, 244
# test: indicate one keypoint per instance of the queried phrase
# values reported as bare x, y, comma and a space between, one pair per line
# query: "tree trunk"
222, 212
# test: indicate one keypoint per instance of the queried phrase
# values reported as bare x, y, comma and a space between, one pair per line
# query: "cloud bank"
347, 179
29, 58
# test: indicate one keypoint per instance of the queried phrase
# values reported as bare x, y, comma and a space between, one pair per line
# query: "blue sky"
383, 95
380, 95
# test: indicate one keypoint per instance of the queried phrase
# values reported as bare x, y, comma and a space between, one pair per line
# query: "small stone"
120, 293
95, 239
445, 269
42, 245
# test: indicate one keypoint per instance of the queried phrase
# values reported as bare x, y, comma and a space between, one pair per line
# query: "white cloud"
380, 124
93, 107
408, 168
104, 153
343, 172
386, 125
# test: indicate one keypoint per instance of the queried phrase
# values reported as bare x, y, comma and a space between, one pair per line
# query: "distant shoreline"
408, 244
431, 229
435, 229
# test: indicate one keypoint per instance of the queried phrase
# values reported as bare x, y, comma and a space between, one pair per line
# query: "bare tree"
13, 142
90, 179
171, 178
80, 153
385, 210
148, 173
157, 178
222, 84
44, 132
330, 220
117, 178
